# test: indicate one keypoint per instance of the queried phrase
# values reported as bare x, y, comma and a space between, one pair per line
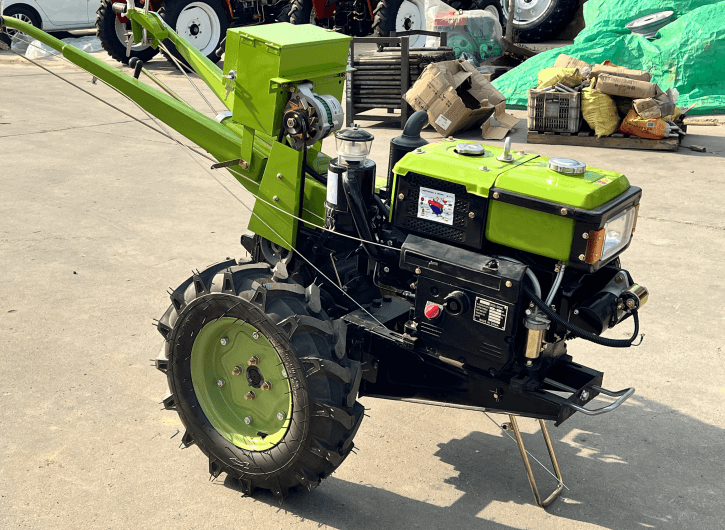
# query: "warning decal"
490, 313
436, 205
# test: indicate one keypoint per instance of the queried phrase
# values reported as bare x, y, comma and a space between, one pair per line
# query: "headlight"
607, 241
617, 232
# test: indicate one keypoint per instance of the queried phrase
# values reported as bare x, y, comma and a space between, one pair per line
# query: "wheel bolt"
266, 385
280, 416
220, 383
224, 341
254, 360
250, 395
255, 335
237, 370
248, 420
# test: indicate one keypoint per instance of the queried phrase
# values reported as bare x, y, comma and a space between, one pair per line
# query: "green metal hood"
528, 174
587, 190
477, 173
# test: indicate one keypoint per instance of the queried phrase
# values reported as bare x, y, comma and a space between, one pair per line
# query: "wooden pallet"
617, 141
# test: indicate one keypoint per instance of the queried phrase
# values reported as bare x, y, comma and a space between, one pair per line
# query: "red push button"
432, 311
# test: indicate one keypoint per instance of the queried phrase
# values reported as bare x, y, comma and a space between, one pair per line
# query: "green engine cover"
519, 227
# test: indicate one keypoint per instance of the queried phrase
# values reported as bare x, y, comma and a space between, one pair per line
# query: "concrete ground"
100, 215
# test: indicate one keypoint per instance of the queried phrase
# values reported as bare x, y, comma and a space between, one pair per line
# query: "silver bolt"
224, 341
255, 335
483, 168
585, 235
386, 269
564, 211
253, 361
248, 420
495, 195
585, 395
576, 311
401, 196
508, 283
582, 257
619, 278
290, 122
279, 176
471, 215
220, 383
389, 242
284, 372
630, 303
267, 385
280, 416
275, 198
238, 370
250, 395
417, 270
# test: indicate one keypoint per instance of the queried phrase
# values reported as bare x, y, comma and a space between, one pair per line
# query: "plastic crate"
554, 111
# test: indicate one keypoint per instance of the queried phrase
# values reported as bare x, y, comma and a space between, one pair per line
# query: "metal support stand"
546, 502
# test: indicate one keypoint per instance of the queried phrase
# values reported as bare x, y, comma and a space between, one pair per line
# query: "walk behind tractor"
459, 282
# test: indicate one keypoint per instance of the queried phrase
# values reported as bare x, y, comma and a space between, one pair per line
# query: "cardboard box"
457, 97
623, 86
637, 75
657, 107
564, 61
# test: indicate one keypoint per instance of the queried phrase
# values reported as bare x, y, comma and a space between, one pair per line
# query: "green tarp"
688, 54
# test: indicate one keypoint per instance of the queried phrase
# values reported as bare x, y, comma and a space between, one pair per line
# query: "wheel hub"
199, 24
246, 411
411, 17
528, 10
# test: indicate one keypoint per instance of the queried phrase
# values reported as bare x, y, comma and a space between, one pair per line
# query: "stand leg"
546, 502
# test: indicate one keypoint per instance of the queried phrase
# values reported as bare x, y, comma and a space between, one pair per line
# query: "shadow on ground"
619, 478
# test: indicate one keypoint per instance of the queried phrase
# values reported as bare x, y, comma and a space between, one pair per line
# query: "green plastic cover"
687, 54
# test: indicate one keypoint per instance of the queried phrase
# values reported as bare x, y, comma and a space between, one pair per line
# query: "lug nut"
280, 416
237, 370
224, 341
249, 395
220, 383
267, 385
255, 335
248, 420
253, 361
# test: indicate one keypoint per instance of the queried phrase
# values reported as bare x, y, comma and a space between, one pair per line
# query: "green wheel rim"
221, 346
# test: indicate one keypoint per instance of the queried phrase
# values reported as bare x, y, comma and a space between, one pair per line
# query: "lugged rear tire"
323, 382
107, 26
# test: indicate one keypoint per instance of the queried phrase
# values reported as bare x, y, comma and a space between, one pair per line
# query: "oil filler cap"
567, 166
432, 311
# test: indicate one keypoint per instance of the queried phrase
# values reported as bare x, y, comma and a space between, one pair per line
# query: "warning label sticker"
490, 313
436, 205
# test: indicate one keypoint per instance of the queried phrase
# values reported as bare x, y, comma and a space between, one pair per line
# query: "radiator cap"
568, 166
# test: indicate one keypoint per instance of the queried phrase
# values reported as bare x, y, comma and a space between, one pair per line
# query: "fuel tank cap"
470, 149
567, 166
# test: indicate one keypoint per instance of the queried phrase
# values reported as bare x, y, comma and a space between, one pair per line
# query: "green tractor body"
458, 283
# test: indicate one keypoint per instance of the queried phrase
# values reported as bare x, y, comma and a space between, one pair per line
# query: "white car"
53, 15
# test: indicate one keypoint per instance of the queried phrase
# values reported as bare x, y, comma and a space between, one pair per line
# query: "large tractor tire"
400, 15
21, 12
302, 12
203, 23
259, 377
537, 20
112, 34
